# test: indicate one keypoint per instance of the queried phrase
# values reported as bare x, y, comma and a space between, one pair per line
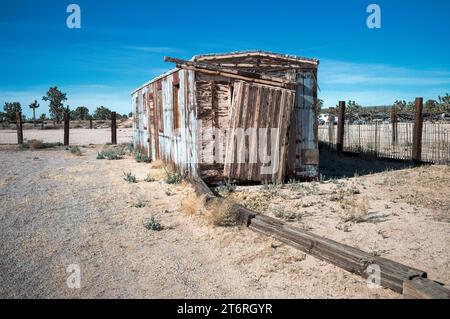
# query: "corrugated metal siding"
306, 159
174, 147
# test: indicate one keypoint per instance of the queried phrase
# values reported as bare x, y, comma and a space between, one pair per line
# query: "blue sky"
121, 44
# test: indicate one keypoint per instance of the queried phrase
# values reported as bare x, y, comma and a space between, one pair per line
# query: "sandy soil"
77, 136
58, 209
391, 209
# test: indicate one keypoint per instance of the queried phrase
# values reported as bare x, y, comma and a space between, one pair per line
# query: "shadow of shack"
243, 116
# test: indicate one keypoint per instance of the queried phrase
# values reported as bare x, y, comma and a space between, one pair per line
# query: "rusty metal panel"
305, 127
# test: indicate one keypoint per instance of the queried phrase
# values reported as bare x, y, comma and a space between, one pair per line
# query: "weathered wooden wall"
160, 140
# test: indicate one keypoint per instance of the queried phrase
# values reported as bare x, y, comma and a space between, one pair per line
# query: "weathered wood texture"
66, 128
19, 128
393, 274
418, 127
401, 278
423, 288
232, 73
113, 128
260, 117
341, 126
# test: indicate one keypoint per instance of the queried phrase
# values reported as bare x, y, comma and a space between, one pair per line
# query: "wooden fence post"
113, 128
394, 121
19, 128
341, 127
330, 127
66, 128
417, 134
90, 122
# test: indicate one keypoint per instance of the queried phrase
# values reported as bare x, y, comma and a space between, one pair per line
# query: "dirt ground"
59, 209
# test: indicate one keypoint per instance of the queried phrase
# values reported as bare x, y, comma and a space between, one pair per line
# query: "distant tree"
102, 113
352, 109
124, 116
81, 113
130, 115
10, 109
42, 118
56, 107
34, 106
444, 103
432, 106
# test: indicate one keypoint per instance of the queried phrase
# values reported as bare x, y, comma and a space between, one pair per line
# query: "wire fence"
389, 140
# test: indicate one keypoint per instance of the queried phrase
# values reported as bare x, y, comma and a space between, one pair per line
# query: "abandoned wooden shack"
244, 116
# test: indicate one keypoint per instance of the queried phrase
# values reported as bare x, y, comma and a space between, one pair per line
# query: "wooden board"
257, 107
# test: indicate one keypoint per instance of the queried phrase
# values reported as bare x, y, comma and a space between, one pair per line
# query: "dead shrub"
193, 205
220, 212
355, 210
35, 144
158, 164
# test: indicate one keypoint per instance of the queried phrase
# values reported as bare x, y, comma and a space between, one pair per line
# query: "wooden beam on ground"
232, 73
401, 278
392, 274
423, 288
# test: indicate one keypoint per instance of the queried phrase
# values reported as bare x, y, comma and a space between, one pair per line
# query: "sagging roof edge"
250, 52
259, 52
159, 77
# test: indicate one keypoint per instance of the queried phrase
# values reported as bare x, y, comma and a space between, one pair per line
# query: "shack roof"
238, 54
255, 53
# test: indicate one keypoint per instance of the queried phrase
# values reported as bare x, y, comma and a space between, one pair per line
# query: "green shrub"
141, 158
130, 178
226, 187
152, 224
172, 177
75, 150
149, 179
111, 154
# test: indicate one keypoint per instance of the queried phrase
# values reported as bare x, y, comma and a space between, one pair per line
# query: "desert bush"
75, 150
221, 213
139, 204
141, 158
226, 187
129, 177
289, 216
192, 205
172, 177
35, 144
157, 164
111, 154
149, 178
355, 210
152, 224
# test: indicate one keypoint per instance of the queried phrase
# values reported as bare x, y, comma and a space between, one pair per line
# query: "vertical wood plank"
341, 127
418, 127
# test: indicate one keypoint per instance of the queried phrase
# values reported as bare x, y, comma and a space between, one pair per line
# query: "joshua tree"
42, 118
56, 107
34, 106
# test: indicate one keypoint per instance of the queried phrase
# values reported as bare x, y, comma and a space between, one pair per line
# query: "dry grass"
35, 144
193, 204
220, 212
355, 209
158, 164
